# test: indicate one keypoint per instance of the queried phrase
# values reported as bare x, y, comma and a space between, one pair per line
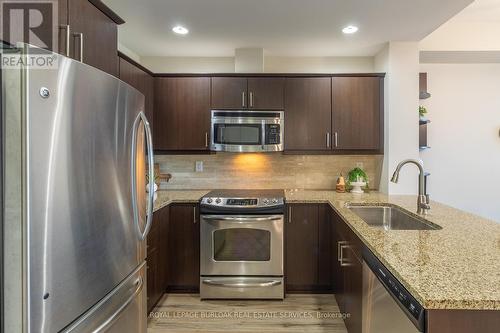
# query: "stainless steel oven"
247, 131
241, 246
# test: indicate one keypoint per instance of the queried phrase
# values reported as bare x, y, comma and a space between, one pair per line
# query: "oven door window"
242, 244
238, 134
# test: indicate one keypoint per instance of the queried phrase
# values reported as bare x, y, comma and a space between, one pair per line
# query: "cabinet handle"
80, 35
289, 214
339, 250
206, 139
194, 214
243, 99
336, 139
343, 245
327, 139
67, 28
251, 99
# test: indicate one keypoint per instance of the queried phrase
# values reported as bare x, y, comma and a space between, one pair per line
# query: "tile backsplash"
263, 170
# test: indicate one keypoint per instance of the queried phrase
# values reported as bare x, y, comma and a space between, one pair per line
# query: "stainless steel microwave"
247, 131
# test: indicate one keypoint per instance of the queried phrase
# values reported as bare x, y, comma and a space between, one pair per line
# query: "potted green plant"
357, 180
155, 180
422, 111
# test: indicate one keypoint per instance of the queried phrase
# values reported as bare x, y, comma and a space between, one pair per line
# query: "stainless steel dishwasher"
387, 306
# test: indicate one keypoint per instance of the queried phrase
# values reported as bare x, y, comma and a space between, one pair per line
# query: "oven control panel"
242, 202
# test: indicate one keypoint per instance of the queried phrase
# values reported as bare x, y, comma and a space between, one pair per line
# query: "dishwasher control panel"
399, 293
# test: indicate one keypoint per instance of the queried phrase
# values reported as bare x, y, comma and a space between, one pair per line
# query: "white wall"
318, 64
271, 64
128, 52
189, 64
464, 160
399, 60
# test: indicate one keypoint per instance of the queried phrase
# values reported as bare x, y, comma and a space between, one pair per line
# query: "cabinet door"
156, 257
301, 248
348, 273
337, 270
182, 113
353, 293
140, 80
266, 93
324, 248
62, 16
184, 248
162, 243
99, 34
308, 114
357, 113
151, 272
229, 93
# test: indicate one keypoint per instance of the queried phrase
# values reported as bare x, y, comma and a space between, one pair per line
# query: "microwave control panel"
273, 134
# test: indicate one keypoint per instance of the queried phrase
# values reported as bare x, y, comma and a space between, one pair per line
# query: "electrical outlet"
198, 166
359, 165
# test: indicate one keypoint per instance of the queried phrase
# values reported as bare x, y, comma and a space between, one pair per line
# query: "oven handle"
242, 219
240, 284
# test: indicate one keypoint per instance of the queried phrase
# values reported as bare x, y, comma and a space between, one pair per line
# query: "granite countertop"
457, 267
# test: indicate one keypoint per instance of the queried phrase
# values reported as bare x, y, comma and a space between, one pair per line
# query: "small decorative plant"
357, 175
156, 177
422, 111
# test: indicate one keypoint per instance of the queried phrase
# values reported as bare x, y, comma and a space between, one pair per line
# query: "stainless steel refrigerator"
76, 150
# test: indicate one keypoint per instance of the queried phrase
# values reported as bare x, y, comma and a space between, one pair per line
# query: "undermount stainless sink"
389, 217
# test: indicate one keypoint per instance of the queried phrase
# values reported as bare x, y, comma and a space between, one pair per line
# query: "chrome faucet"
423, 198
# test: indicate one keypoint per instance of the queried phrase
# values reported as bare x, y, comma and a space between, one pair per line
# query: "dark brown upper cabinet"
86, 30
266, 93
308, 114
182, 113
357, 113
140, 80
93, 36
260, 93
229, 93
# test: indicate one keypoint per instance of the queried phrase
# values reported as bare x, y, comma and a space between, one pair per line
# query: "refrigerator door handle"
114, 316
149, 142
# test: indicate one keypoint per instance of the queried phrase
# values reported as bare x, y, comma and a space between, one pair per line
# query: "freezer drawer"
122, 311
212, 287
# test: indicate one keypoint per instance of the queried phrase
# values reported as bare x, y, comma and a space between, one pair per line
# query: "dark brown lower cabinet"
157, 257
462, 321
347, 272
307, 253
184, 248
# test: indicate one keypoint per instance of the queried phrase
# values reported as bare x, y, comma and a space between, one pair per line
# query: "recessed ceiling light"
178, 29
350, 29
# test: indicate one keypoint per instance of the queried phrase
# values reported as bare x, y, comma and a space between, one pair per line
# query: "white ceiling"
281, 27
481, 10
476, 29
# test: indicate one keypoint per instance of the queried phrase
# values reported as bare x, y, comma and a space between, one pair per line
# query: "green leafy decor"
156, 177
422, 111
354, 175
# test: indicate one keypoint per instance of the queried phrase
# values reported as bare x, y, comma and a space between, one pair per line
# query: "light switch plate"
359, 165
198, 166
